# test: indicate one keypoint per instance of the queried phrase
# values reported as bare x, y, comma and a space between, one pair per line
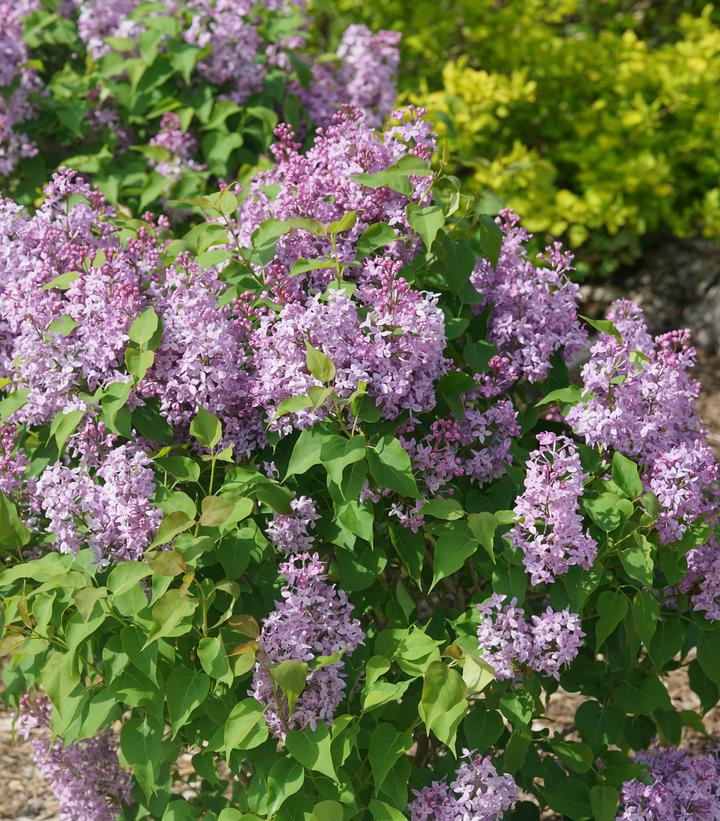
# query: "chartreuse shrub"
160, 99
595, 120
306, 496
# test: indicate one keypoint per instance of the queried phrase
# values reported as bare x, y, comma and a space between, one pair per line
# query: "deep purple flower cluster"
478, 792
477, 446
549, 528
289, 532
17, 82
509, 642
319, 184
114, 516
363, 76
85, 776
681, 787
313, 619
533, 308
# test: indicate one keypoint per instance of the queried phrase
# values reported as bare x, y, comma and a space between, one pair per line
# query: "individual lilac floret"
641, 398
115, 517
533, 308
510, 643
685, 481
313, 619
476, 446
478, 793
178, 148
364, 75
17, 82
702, 579
397, 350
320, 184
681, 787
289, 532
549, 529
200, 359
85, 776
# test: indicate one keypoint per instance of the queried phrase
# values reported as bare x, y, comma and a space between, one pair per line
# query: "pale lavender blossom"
681, 788
85, 776
100, 19
509, 642
289, 532
312, 619
478, 793
364, 75
702, 579
177, 148
533, 307
549, 527
13, 462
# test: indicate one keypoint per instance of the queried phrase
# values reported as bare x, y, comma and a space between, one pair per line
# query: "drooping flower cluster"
549, 529
313, 619
85, 776
289, 532
364, 76
17, 82
319, 184
397, 349
478, 792
477, 446
201, 358
510, 642
115, 516
533, 308
13, 462
177, 148
681, 787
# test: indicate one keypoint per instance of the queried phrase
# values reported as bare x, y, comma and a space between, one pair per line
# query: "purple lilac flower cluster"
681, 787
55, 338
364, 76
289, 532
100, 19
478, 792
510, 642
319, 184
13, 462
85, 776
17, 83
202, 358
313, 619
477, 446
115, 516
702, 579
177, 146
533, 308
549, 529
397, 349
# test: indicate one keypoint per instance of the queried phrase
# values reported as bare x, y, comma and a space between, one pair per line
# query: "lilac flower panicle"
13, 462
85, 776
533, 308
180, 147
478, 792
289, 532
364, 76
115, 516
549, 529
508, 641
312, 619
702, 579
681, 787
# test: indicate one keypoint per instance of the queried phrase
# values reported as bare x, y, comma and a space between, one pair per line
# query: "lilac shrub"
304, 494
